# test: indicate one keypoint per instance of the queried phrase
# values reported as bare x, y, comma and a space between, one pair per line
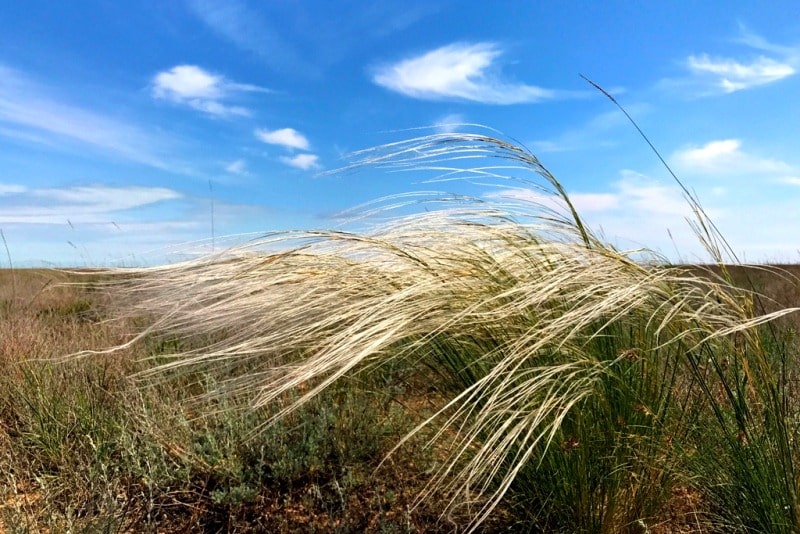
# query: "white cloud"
638, 211
449, 123
633, 193
302, 161
204, 91
583, 202
28, 137
725, 157
84, 204
237, 167
291, 139
591, 202
215, 108
105, 198
714, 75
648, 197
757, 42
10, 189
286, 137
38, 117
102, 225
635, 211
730, 75
187, 81
458, 71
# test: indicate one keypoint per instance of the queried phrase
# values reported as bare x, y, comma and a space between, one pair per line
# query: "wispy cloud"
595, 133
202, 90
105, 198
462, 71
583, 202
236, 167
726, 157
709, 74
633, 211
449, 123
85, 204
250, 30
9, 189
757, 42
36, 115
649, 198
286, 137
632, 193
729, 75
639, 211
302, 161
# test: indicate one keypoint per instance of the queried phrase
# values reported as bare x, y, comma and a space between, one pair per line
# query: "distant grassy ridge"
778, 283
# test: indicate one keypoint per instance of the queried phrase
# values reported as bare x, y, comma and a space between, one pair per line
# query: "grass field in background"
86, 448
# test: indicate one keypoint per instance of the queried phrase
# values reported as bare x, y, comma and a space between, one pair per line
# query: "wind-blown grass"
580, 382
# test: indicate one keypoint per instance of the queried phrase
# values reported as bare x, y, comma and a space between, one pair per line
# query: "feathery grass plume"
575, 377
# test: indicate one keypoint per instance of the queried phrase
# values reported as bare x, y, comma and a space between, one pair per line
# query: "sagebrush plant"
579, 381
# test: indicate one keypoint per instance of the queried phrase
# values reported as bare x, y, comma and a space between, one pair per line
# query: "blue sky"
123, 123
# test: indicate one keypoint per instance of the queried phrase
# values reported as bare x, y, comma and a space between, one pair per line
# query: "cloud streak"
204, 91
84, 204
460, 71
634, 211
726, 157
11, 189
598, 132
729, 75
583, 202
237, 167
36, 116
449, 123
632, 194
709, 75
249, 30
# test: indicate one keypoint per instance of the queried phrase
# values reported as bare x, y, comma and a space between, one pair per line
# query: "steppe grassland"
559, 384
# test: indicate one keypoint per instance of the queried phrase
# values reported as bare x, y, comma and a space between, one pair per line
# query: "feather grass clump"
576, 375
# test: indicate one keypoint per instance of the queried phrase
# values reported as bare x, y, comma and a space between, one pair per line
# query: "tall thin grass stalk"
10, 267
576, 375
